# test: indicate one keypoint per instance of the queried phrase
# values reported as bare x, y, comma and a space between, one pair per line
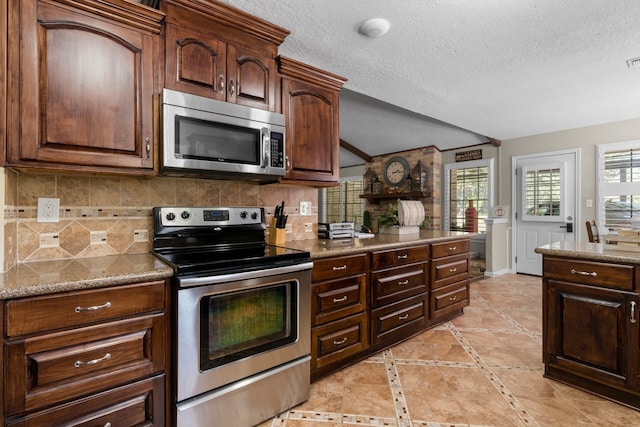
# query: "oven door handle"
243, 275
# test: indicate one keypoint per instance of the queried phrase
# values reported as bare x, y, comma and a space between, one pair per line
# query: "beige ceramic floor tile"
371, 400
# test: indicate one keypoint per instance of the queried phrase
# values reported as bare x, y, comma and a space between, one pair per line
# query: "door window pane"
542, 193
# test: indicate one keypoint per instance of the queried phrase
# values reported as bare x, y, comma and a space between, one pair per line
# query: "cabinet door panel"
312, 131
252, 78
195, 63
85, 89
591, 332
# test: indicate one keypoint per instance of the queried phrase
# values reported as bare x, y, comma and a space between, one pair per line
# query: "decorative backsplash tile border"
113, 215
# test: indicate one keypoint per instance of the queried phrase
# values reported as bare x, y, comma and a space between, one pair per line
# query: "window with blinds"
621, 187
343, 203
468, 189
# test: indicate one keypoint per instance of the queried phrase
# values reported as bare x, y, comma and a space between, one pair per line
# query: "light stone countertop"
47, 277
322, 248
591, 251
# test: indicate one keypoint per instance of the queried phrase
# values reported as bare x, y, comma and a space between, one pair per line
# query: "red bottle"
471, 219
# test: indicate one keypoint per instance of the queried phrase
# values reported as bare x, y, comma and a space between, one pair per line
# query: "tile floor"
481, 369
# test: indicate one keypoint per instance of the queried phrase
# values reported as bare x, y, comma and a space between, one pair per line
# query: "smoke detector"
375, 27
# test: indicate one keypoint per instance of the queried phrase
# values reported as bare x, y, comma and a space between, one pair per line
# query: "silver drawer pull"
403, 282
79, 363
453, 298
79, 309
107, 424
453, 248
343, 267
453, 270
341, 299
403, 317
342, 341
584, 273
633, 312
405, 256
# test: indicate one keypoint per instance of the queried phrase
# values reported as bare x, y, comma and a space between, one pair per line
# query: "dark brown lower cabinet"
87, 358
366, 302
590, 332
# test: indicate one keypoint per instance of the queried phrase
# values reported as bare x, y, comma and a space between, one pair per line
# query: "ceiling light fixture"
375, 27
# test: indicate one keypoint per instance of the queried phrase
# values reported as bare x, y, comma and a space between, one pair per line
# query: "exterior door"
545, 188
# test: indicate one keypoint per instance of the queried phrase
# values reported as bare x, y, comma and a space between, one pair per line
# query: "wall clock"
396, 170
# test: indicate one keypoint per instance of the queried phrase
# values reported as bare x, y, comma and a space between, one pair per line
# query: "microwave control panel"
277, 150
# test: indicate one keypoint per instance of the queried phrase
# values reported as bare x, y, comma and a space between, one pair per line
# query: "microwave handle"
266, 147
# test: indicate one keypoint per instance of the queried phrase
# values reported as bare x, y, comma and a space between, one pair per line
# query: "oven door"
247, 324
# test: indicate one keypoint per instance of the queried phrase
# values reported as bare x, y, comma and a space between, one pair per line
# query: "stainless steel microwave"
220, 139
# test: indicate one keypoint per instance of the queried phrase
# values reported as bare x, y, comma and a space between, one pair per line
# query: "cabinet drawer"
76, 309
396, 257
335, 268
393, 285
395, 321
453, 247
448, 299
338, 298
53, 368
449, 270
141, 403
338, 340
615, 276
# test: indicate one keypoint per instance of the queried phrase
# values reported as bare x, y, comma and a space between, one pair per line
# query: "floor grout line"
513, 402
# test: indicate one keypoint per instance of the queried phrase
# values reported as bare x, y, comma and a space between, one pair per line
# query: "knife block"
276, 235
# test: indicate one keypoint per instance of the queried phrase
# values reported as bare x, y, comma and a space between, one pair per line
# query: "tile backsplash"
107, 215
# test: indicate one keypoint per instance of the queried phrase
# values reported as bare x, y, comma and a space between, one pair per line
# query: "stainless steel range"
242, 338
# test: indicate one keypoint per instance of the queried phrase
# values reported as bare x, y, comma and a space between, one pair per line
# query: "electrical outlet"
140, 235
48, 209
305, 208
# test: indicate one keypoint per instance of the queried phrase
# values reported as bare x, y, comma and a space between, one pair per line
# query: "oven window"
207, 140
236, 325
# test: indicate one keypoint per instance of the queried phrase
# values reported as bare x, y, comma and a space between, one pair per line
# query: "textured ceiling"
498, 68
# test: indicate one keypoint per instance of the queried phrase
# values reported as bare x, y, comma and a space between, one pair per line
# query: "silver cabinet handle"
403, 282
148, 146
343, 267
405, 256
633, 312
453, 298
221, 80
343, 298
79, 309
79, 363
453, 248
338, 342
584, 273
453, 270
232, 88
403, 317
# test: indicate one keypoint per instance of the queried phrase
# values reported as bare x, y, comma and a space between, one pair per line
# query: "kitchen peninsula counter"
590, 311
47, 277
590, 251
323, 248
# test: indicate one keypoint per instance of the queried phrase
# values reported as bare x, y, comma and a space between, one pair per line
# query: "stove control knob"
254, 215
171, 216
185, 215
243, 214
